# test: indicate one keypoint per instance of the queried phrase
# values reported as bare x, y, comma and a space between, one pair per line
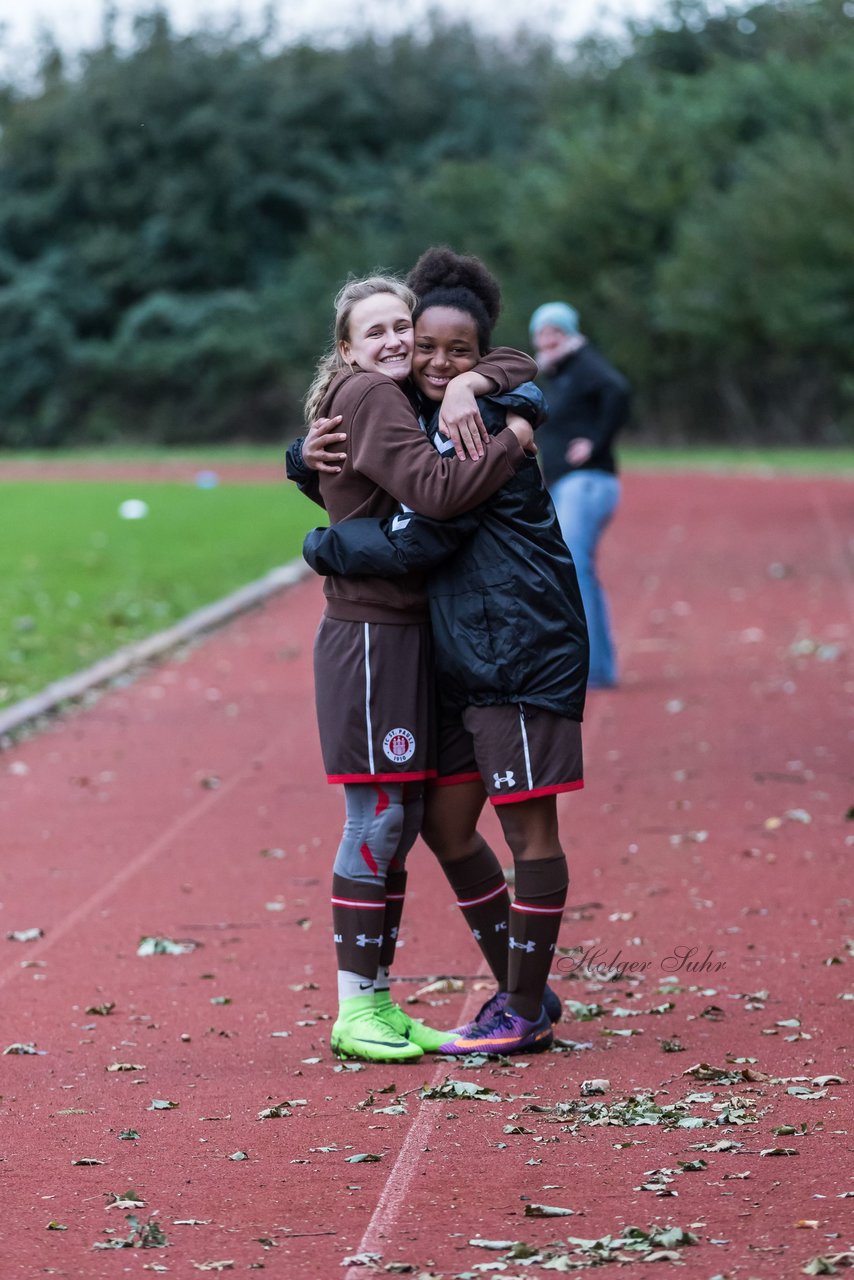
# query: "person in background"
588, 404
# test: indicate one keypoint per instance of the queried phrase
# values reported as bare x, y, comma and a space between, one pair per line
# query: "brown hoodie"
391, 461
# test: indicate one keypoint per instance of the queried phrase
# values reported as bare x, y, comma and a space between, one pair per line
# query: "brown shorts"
374, 692
519, 751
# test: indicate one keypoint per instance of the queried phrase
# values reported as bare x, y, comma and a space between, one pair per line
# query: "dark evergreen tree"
175, 216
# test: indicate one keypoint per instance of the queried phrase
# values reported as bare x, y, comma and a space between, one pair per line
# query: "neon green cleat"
359, 1032
415, 1031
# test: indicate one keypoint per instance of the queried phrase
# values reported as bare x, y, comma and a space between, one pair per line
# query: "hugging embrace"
451, 660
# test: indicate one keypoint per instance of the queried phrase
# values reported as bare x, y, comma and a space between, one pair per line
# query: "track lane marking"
144, 858
406, 1165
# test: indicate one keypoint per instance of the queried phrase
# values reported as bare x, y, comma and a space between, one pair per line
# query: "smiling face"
445, 344
380, 336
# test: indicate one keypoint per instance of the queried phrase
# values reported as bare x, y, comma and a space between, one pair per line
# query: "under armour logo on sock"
509, 777
476, 934
530, 945
393, 934
363, 940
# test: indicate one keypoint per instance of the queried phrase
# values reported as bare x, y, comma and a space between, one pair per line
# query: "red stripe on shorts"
538, 791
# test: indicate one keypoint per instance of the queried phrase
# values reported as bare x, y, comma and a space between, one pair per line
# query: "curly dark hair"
443, 278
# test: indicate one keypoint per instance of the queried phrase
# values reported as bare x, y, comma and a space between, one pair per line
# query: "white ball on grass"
133, 509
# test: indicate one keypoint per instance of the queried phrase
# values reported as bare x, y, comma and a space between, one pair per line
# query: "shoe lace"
488, 1010
500, 1020
370, 1022
397, 1018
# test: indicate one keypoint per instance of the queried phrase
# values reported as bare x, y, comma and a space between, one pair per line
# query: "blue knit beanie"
560, 315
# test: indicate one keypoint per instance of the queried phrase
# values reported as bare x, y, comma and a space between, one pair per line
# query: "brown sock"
358, 912
535, 918
482, 896
395, 884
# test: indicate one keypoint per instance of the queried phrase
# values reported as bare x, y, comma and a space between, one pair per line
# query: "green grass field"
77, 580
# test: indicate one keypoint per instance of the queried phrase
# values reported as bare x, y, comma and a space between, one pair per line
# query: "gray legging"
383, 821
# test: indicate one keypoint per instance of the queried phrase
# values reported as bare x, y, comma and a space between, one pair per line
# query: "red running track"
190, 804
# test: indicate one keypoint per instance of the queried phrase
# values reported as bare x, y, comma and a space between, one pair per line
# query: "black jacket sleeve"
527, 400
387, 548
307, 481
610, 395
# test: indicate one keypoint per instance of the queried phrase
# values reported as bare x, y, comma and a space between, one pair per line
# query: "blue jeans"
585, 502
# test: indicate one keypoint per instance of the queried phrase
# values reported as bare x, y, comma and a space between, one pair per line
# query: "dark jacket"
587, 397
505, 608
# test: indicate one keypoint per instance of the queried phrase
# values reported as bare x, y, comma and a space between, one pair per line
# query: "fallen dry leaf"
442, 986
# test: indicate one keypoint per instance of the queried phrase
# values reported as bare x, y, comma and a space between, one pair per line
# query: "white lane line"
144, 858
406, 1165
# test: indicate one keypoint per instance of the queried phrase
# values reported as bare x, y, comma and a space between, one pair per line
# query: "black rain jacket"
505, 607
587, 397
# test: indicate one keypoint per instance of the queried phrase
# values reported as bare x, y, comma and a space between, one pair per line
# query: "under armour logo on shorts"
399, 745
508, 777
